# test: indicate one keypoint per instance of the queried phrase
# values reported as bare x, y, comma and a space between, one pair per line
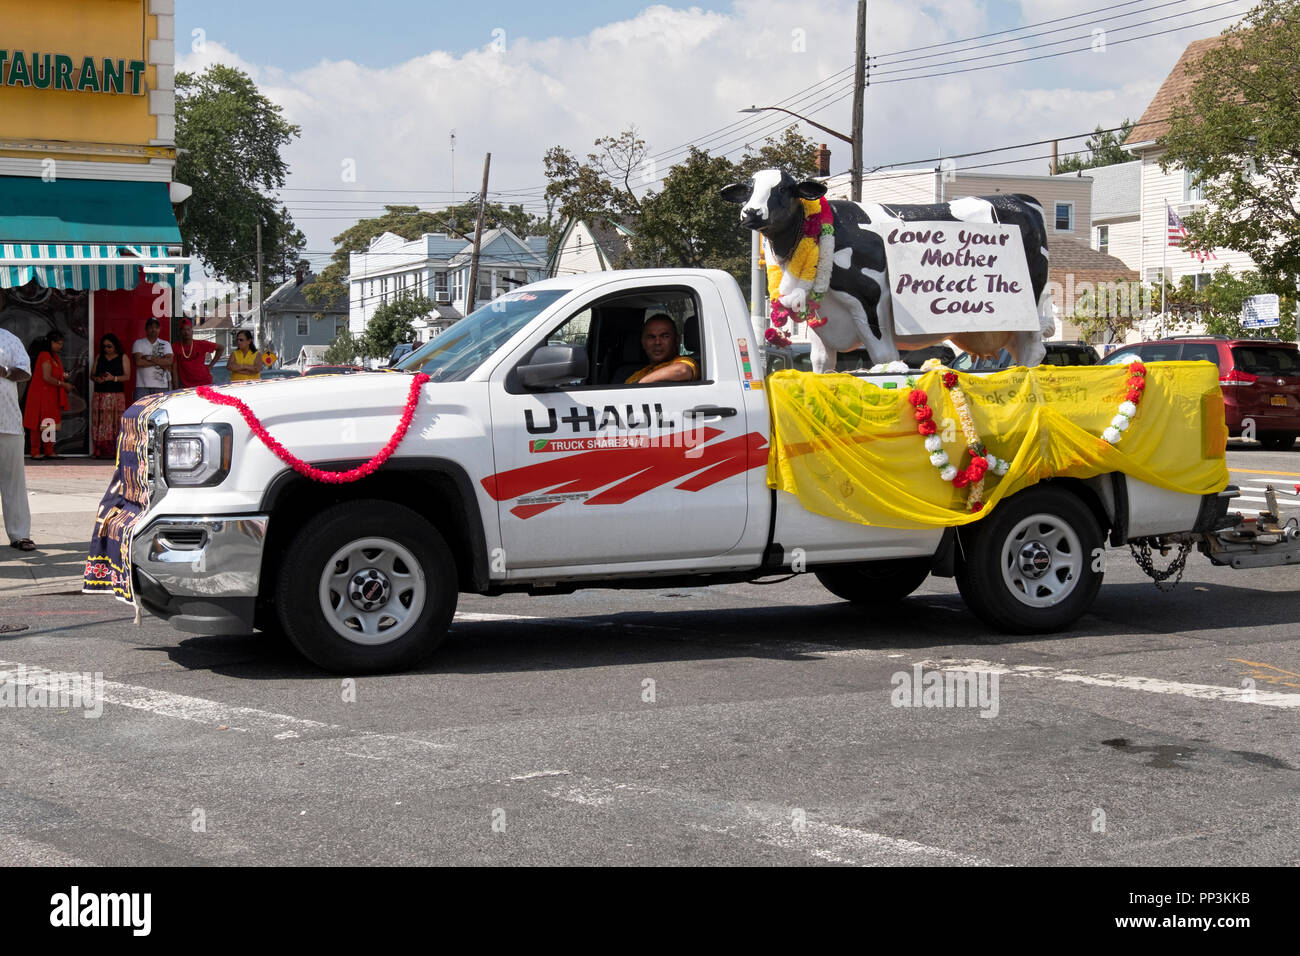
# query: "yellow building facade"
89, 242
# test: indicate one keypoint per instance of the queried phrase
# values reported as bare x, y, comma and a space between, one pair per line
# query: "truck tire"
367, 586
1031, 566
1277, 441
874, 582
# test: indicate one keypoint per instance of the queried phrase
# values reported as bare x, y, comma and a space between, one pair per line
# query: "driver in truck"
660, 342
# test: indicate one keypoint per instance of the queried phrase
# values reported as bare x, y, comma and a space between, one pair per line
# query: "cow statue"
857, 305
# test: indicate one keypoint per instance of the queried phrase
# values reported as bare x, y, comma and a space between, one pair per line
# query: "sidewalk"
64, 496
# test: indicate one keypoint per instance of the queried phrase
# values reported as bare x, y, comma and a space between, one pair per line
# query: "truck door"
599, 472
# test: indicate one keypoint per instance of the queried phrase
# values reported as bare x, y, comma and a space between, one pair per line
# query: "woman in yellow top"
245, 362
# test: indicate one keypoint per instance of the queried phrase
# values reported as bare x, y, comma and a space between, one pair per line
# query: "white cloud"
676, 74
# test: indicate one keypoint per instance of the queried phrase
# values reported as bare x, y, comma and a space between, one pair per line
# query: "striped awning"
92, 268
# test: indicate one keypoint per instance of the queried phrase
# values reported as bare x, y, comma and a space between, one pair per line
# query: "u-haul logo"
632, 417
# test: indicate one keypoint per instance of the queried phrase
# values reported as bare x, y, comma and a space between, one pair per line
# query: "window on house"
1103, 238
1191, 191
440, 283
340, 326
1065, 217
484, 291
302, 325
1201, 281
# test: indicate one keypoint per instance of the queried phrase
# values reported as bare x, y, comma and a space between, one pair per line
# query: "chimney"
299, 273
823, 160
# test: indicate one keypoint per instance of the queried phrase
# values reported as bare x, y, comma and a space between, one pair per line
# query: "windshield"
455, 354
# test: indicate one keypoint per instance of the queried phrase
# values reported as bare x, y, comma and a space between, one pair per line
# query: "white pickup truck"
530, 466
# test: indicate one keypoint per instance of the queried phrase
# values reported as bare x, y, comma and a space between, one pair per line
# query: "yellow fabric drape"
849, 449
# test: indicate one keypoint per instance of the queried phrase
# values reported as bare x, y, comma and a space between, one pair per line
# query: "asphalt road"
728, 725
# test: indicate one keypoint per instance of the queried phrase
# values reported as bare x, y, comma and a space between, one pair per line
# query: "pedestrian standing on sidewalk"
153, 362
193, 367
15, 367
245, 362
111, 373
47, 397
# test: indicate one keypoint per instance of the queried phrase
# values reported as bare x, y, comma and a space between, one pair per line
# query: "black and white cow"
858, 307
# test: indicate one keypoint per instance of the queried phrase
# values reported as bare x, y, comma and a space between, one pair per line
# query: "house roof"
289, 297
1116, 190
1172, 95
1071, 255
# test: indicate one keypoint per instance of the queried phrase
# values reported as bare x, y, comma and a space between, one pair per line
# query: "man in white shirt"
153, 363
15, 367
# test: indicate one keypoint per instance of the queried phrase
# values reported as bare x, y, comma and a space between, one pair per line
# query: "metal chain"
1142, 555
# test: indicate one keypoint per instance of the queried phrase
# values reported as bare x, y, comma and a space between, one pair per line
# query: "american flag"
1178, 232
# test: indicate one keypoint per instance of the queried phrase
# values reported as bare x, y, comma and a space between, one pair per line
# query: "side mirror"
553, 364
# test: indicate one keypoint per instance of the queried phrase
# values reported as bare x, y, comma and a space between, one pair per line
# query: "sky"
378, 87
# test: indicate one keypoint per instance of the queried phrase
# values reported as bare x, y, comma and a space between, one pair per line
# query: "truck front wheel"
874, 582
1033, 565
367, 586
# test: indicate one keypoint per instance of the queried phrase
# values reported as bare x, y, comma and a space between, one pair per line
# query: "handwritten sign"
948, 277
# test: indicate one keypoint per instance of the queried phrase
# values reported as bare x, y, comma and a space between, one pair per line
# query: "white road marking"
541, 773
473, 617
784, 827
1151, 685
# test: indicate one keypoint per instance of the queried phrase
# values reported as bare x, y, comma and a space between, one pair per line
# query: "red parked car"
1260, 379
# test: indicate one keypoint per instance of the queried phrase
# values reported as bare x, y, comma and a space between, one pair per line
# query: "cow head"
767, 201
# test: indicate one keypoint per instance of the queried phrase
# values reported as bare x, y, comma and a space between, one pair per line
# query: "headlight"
197, 456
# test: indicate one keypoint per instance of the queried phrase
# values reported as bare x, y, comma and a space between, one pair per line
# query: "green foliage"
229, 138
410, 222
1102, 148
392, 324
1107, 311
344, 350
1218, 304
685, 221
1239, 136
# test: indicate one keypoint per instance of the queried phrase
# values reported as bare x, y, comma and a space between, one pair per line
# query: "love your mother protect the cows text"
950, 277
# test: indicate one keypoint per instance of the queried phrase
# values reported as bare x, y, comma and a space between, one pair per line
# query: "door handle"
708, 411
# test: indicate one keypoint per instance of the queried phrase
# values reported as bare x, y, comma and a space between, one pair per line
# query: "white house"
586, 246
437, 266
1117, 212
1173, 188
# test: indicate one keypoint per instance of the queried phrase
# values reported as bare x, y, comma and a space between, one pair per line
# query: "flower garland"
982, 461
300, 466
797, 291
1128, 408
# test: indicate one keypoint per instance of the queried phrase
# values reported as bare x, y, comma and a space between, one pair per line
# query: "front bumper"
201, 573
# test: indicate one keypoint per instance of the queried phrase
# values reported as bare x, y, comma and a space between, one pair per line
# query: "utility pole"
261, 319
453, 167
478, 238
859, 90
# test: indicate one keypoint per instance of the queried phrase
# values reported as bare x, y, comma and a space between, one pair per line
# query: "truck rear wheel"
1031, 566
367, 586
874, 582
1277, 441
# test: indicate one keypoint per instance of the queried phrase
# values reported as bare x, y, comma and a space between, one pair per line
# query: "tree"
1238, 134
1217, 304
409, 222
1103, 148
228, 138
344, 350
392, 324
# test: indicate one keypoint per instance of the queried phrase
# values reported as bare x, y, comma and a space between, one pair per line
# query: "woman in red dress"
47, 397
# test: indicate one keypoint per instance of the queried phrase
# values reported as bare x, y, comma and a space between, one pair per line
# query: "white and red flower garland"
982, 461
310, 471
796, 291
1137, 381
